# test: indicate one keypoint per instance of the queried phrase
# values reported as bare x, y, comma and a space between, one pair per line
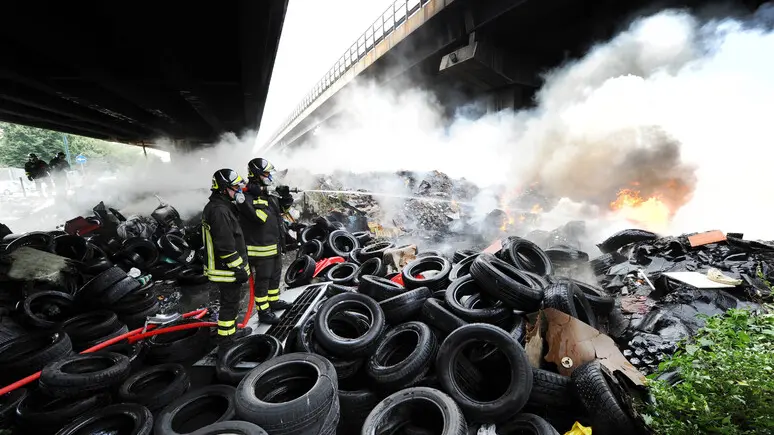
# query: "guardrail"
396, 15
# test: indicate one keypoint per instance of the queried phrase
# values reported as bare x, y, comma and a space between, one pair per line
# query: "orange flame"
651, 212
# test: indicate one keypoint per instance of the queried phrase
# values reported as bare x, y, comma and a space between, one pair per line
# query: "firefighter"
225, 250
59, 168
37, 172
261, 218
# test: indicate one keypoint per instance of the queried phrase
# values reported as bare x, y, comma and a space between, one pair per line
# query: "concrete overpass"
134, 71
489, 51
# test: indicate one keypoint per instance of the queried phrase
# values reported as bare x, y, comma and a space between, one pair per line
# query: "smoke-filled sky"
672, 106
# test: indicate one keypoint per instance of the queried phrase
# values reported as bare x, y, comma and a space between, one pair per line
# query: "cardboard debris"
568, 337
397, 258
533, 343
702, 239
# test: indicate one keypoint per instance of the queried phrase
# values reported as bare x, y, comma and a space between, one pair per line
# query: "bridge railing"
395, 16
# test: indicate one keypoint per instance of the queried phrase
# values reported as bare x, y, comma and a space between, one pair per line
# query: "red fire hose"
136, 335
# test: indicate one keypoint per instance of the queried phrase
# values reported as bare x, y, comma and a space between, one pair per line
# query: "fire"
536, 209
652, 212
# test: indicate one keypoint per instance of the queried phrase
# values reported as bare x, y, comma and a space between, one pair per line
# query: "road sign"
80, 159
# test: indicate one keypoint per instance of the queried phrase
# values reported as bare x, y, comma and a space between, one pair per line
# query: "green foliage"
17, 141
728, 380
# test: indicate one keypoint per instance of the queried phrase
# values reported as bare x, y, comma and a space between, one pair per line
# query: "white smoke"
678, 106
672, 105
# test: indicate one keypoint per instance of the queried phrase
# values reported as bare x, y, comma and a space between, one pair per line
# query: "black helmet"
61, 154
260, 170
225, 178
33, 156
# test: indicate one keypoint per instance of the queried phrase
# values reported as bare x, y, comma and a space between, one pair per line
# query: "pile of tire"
444, 354
326, 239
171, 255
141, 377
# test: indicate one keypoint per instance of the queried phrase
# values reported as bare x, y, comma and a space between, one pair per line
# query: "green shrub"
728, 380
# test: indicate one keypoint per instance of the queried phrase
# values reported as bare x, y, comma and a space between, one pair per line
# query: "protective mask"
239, 197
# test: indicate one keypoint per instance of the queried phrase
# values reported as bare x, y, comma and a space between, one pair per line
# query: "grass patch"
727, 385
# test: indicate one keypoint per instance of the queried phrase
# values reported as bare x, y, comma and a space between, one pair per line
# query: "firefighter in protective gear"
261, 218
226, 255
37, 171
59, 167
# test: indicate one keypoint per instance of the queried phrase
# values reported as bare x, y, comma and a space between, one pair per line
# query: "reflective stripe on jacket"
224, 243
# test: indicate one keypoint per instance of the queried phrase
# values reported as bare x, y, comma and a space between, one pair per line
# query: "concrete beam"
483, 66
398, 35
29, 97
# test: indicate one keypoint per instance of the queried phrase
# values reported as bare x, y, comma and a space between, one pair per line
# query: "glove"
241, 275
29, 177
286, 202
283, 191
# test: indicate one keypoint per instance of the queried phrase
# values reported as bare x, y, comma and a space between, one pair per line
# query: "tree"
17, 141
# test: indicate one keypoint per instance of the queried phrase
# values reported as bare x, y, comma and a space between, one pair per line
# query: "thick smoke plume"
672, 107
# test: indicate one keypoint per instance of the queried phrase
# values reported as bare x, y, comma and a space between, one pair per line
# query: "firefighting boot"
280, 305
224, 341
268, 317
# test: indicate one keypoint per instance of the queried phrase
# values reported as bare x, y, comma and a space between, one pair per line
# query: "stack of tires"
445, 351
442, 353
325, 239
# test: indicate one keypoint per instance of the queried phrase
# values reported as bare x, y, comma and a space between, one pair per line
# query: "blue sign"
80, 159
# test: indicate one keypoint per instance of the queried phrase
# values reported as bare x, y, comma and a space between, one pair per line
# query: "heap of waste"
527, 334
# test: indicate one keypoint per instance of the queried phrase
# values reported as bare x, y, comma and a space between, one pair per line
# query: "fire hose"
136, 335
